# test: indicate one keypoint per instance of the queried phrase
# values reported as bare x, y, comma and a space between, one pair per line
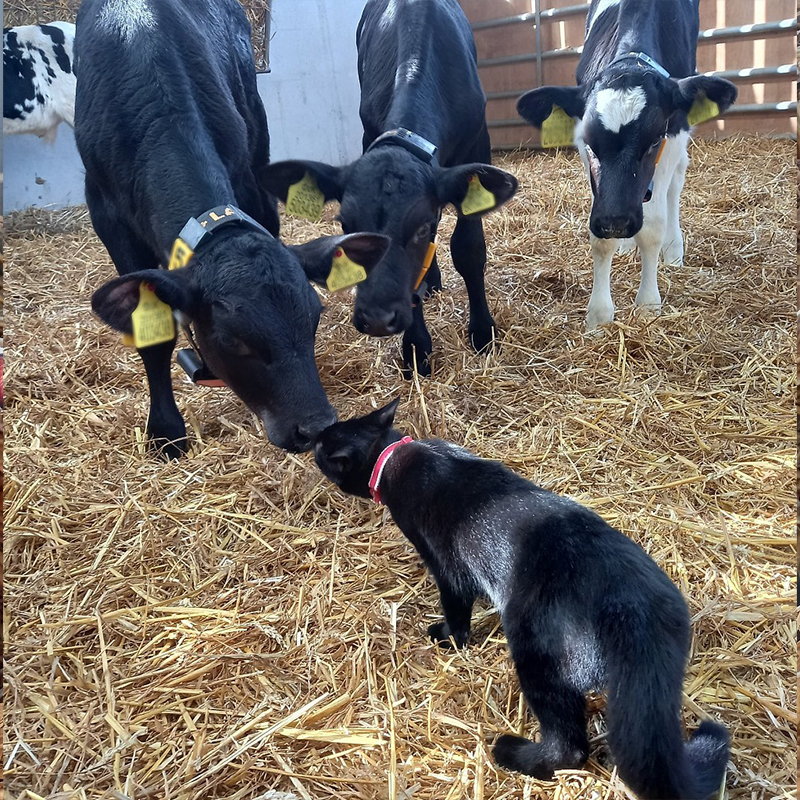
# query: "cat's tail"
644, 727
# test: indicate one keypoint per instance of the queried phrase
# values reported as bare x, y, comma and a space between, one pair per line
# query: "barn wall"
311, 96
740, 53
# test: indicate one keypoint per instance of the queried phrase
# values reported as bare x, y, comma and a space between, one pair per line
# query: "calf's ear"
315, 181
115, 301
475, 189
538, 105
339, 262
704, 97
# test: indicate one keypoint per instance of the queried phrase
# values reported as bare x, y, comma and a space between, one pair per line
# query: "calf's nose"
613, 227
307, 431
379, 322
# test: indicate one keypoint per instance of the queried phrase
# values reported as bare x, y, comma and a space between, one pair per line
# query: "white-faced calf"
629, 116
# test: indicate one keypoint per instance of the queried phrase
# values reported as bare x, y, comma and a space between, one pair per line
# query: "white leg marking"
672, 251
627, 246
601, 306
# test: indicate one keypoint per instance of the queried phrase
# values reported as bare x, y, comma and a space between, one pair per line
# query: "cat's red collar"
377, 470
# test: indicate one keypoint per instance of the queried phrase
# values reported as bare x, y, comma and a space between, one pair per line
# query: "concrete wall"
311, 97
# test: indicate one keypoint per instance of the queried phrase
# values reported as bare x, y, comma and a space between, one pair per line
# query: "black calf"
169, 124
425, 145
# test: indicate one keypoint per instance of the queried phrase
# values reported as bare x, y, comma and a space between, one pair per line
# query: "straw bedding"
231, 626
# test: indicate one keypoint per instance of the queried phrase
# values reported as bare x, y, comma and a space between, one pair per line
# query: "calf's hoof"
483, 337
168, 442
648, 303
598, 314
417, 358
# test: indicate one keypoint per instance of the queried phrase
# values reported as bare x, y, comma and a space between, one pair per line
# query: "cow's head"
390, 191
621, 120
254, 316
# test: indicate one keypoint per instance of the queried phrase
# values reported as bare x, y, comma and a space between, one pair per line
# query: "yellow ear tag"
478, 198
304, 199
558, 130
127, 340
344, 272
181, 254
152, 319
702, 110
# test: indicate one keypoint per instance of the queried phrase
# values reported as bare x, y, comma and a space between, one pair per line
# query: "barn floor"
231, 624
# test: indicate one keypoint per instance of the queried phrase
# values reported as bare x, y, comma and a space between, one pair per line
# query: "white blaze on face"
618, 107
127, 17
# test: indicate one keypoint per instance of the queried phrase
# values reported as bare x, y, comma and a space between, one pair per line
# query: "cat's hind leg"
559, 706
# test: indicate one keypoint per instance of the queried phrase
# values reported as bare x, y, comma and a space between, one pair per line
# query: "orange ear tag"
426, 265
344, 272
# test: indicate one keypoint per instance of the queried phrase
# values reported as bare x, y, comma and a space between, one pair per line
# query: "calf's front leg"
166, 429
417, 345
468, 248
650, 240
601, 306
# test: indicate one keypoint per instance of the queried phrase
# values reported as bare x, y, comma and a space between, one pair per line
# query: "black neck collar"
644, 61
197, 229
415, 144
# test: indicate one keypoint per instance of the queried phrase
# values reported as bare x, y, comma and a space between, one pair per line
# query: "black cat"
583, 607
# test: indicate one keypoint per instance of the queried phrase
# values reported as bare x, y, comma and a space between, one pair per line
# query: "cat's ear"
384, 417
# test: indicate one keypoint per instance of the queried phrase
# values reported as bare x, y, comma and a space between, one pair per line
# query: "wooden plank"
739, 54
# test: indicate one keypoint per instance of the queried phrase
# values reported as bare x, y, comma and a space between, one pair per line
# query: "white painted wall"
311, 97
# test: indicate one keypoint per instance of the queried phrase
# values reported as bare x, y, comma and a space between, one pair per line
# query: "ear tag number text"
344, 272
304, 199
558, 130
152, 319
478, 198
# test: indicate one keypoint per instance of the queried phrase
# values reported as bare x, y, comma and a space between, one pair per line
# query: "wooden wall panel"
733, 54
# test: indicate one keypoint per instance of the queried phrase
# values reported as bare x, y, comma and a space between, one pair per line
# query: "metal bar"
764, 73
538, 13
753, 108
523, 57
755, 72
547, 15
786, 107
754, 31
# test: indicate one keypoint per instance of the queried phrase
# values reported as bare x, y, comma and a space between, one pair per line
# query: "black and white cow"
425, 145
636, 97
170, 126
38, 79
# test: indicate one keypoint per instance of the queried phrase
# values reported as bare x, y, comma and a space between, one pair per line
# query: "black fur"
418, 70
583, 607
169, 124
